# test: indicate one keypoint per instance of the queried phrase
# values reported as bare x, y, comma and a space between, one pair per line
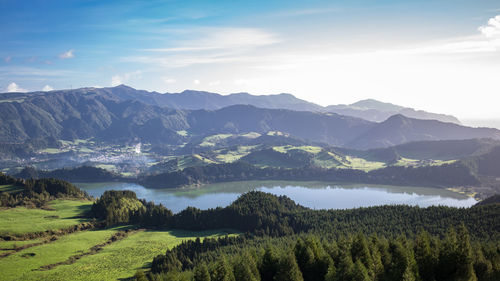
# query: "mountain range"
125, 114
371, 110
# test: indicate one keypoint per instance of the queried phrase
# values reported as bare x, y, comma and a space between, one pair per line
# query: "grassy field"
406, 162
286, 148
229, 156
214, 139
362, 164
20, 266
23, 220
116, 261
121, 259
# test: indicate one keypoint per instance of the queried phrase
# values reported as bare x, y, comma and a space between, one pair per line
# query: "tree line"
454, 174
37, 192
264, 214
355, 257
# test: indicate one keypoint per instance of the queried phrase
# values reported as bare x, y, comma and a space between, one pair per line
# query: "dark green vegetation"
419, 244
311, 258
265, 214
36, 192
424, 150
78, 174
440, 176
337, 255
490, 200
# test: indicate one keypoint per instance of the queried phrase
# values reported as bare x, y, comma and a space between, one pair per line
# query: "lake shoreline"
311, 194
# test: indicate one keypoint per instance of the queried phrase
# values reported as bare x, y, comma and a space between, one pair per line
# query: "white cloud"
220, 38
196, 82
47, 88
122, 79
13, 87
67, 55
214, 83
168, 80
212, 45
486, 42
492, 29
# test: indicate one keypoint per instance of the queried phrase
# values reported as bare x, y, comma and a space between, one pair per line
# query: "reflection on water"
316, 195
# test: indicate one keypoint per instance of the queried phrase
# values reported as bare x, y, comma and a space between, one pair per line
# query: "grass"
52, 150
22, 220
406, 162
20, 266
10, 245
85, 150
362, 164
229, 156
212, 140
109, 167
326, 159
119, 260
251, 135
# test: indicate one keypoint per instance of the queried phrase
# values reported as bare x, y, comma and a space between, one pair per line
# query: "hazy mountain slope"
399, 129
70, 115
485, 164
194, 100
94, 113
327, 128
377, 111
424, 150
371, 110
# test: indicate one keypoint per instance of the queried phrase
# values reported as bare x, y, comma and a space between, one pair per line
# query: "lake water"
316, 195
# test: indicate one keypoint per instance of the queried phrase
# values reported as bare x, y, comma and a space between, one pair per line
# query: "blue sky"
441, 56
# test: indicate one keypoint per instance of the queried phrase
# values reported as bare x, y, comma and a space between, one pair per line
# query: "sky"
435, 55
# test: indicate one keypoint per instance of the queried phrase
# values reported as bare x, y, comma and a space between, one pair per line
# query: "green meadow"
121, 259
115, 261
22, 220
24, 264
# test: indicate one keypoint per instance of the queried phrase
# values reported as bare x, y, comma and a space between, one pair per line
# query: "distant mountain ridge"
370, 109
378, 111
122, 114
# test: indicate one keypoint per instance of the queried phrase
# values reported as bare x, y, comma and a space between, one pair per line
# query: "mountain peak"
375, 104
123, 86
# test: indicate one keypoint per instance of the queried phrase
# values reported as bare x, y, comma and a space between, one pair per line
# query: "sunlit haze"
439, 56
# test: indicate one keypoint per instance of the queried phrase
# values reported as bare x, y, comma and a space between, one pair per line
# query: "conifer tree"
269, 264
222, 271
288, 269
201, 273
425, 256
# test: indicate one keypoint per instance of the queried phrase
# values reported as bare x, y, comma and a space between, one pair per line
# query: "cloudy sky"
436, 55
